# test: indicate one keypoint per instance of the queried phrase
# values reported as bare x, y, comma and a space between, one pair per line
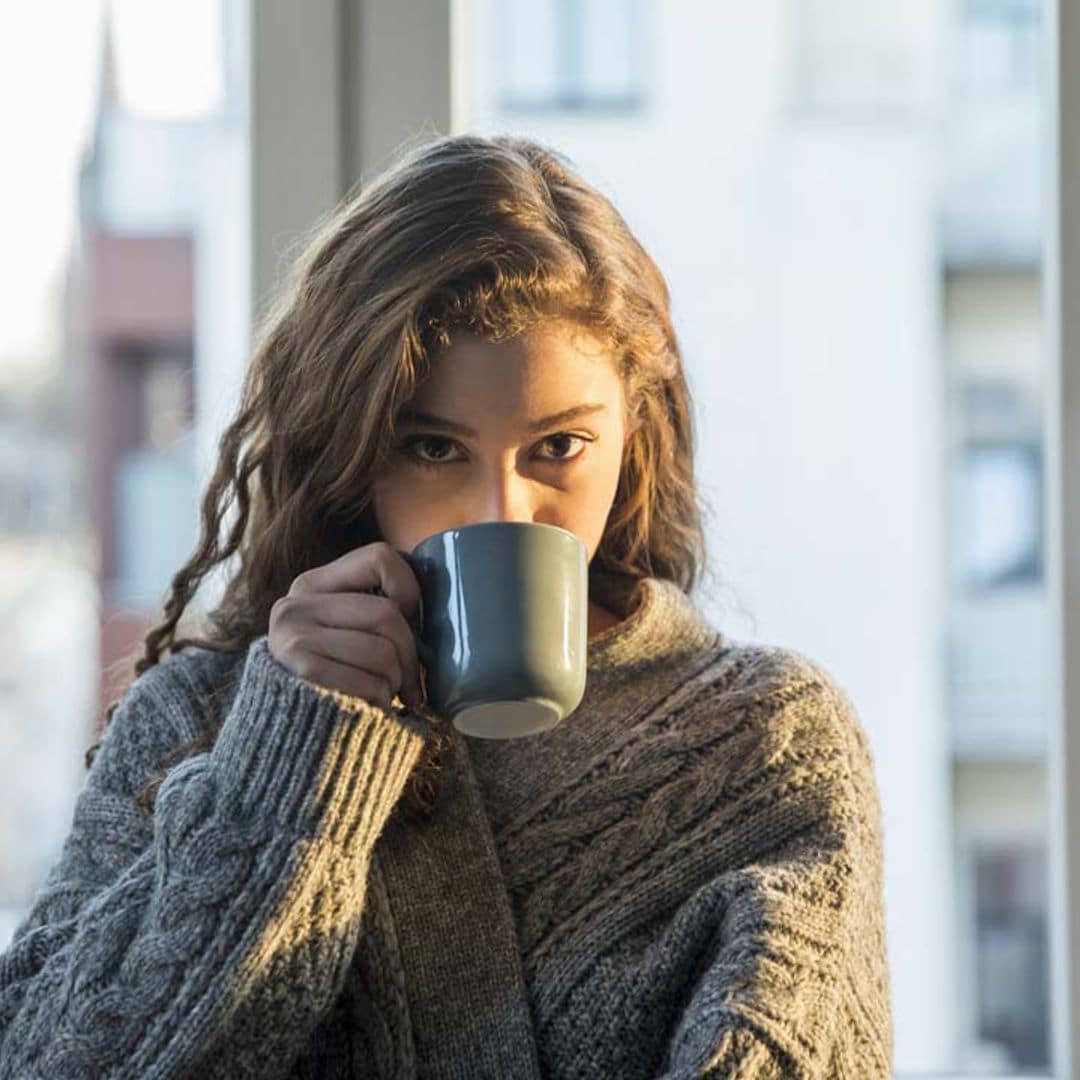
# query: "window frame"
571, 94
1061, 275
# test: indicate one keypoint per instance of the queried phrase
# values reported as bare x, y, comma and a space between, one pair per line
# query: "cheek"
593, 505
612, 469
396, 508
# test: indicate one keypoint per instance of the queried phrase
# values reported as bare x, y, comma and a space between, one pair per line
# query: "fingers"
329, 672
376, 564
374, 614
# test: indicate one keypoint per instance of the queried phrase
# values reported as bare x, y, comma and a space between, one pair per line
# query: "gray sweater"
684, 879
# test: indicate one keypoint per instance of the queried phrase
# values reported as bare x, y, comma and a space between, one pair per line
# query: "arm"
796, 985
228, 921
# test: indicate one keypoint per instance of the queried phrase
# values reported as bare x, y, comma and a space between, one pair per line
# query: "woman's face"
485, 450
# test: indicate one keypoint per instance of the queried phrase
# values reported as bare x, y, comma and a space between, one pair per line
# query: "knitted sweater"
683, 879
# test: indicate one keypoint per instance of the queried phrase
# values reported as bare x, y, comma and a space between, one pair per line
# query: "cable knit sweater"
683, 879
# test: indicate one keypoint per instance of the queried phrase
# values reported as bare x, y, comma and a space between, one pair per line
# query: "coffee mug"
503, 625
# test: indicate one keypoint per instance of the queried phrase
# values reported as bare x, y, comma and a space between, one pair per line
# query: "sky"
168, 59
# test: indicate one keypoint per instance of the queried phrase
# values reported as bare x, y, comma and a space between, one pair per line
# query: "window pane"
1001, 515
1000, 52
567, 55
610, 60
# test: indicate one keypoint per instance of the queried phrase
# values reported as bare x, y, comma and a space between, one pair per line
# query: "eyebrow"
413, 416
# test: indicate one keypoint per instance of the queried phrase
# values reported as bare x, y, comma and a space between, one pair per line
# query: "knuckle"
281, 607
301, 582
380, 549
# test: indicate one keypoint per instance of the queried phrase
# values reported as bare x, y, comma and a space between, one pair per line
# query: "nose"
504, 497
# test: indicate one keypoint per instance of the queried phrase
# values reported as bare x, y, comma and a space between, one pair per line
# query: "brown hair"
490, 234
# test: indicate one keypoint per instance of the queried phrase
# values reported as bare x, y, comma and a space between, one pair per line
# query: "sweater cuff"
322, 762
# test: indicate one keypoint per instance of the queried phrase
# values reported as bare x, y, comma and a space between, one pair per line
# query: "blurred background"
846, 199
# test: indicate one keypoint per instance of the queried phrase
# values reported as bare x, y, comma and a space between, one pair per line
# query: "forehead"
553, 361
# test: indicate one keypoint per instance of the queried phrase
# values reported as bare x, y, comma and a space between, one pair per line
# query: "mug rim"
496, 524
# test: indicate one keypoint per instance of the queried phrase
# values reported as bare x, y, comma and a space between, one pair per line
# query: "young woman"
282, 863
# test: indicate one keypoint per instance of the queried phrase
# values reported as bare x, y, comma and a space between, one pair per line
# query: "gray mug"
503, 625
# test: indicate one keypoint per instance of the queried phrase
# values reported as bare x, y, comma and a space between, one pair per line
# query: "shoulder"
745, 672
788, 713
191, 686
167, 706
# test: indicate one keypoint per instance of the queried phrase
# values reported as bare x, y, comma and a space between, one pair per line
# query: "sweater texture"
681, 880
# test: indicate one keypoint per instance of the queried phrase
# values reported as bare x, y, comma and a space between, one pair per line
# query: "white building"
834, 191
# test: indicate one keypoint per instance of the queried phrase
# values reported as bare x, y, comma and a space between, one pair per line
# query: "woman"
283, 863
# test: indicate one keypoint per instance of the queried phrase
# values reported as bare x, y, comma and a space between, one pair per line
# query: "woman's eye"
440, 458
411, 448
559, 439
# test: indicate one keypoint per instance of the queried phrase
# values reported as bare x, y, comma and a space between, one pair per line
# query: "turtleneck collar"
658, 623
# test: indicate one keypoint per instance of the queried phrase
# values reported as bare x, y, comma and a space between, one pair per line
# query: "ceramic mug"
503, 625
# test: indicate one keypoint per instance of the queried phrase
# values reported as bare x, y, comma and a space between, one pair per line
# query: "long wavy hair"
490, 234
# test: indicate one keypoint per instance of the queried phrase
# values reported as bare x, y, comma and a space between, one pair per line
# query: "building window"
1001, 514
155, 491
157, 514
570, 55
998, 522
999, 48
1011, 976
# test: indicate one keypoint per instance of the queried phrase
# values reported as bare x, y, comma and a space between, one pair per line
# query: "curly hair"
490, 234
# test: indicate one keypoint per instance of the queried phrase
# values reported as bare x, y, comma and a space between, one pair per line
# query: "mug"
503, 625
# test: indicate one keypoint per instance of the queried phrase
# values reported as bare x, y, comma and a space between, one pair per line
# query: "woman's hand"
332, 627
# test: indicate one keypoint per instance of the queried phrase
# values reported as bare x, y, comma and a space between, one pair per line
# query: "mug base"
507, 719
